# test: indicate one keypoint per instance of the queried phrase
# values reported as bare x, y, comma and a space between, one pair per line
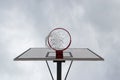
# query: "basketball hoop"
59, 39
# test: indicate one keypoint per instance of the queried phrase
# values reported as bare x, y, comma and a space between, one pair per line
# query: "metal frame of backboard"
47, 54
69, 54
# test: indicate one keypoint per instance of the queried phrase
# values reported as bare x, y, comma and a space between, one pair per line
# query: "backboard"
40, 54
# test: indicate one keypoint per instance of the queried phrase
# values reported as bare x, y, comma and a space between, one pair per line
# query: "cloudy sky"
93, 24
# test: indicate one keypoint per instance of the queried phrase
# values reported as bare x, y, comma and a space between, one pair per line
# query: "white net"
59, 39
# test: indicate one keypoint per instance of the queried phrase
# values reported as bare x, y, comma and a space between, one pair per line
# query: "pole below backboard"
59, 70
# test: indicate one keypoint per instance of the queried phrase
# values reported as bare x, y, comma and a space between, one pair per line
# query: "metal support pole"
59, 70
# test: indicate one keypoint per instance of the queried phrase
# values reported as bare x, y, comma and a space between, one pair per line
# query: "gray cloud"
105, 16
93, 24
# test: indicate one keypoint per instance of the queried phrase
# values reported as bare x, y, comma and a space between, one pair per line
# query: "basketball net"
59, 39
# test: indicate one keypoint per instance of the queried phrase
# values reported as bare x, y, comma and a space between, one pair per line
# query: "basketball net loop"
59, 39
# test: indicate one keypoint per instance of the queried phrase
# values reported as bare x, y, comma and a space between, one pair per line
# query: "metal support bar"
68, 69
59, 70
49, 70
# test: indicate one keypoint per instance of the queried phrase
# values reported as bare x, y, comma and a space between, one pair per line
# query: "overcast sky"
93, 24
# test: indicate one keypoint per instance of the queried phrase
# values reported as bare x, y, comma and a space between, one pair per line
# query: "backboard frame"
98, 58
69, 56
